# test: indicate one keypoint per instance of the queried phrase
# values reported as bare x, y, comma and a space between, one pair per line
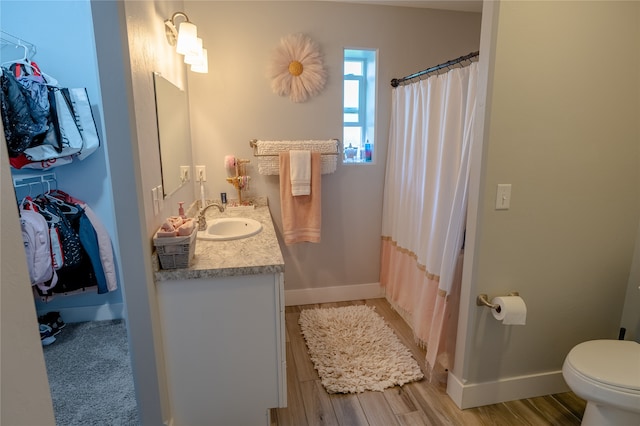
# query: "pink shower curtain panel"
425, 203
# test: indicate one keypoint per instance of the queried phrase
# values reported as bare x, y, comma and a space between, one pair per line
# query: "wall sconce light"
203, 65
187, 42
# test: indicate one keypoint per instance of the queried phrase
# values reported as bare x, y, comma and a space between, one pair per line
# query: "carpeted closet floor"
90, 375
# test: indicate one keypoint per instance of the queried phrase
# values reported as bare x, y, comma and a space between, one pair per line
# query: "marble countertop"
258, 254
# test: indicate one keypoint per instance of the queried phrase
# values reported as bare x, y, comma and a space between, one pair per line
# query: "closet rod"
396, 81
26, 181
7, 39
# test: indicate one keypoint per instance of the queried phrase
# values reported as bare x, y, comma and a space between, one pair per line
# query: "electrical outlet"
201, 174
185, 173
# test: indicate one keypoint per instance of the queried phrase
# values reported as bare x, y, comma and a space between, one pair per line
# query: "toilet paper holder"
483, 300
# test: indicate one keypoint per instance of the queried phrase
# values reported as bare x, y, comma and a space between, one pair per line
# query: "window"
359, 105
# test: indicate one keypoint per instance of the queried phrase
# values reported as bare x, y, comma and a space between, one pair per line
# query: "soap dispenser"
181, 210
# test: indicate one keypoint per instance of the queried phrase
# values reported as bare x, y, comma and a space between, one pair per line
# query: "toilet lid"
614, 362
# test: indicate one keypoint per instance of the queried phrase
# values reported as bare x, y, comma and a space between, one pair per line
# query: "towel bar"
253, 143
269, 152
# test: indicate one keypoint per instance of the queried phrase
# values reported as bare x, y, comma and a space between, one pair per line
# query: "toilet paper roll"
512, 310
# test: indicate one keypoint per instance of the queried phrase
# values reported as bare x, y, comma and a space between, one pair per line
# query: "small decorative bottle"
367, 152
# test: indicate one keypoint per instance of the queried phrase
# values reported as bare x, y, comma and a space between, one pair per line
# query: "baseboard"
344, 293
508, 389
110, 311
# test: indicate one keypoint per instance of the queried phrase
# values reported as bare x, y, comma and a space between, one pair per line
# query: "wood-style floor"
418, 403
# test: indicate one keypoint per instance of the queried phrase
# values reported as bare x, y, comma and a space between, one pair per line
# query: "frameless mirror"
174, 134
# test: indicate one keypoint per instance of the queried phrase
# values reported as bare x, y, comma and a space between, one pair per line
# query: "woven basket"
175, 252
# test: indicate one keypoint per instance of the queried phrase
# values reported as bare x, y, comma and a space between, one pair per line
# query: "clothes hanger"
26, 51
34, 70
60, 198
66, 208
24, 60
41, 202
8, 39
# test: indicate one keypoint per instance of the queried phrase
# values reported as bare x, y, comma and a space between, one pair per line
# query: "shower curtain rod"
396, 81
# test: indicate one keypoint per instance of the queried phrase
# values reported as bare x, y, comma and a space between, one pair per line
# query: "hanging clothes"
21, 127
76, 271
45, 125
83, 258
36, 91
103, 241
35, 235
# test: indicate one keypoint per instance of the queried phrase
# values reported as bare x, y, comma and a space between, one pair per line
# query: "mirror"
174, 134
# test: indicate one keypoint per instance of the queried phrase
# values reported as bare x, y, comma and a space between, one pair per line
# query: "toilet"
606, 373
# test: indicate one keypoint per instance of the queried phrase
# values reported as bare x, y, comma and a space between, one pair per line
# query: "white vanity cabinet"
223, 334
224, 347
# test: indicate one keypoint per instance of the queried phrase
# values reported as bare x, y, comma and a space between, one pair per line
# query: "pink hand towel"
187, 227
167, 226
301, 215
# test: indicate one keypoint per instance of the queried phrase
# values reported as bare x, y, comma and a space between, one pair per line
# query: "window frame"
362, 98
367, 106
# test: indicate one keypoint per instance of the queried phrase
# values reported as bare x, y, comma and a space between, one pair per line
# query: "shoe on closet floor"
53, 320
46, 335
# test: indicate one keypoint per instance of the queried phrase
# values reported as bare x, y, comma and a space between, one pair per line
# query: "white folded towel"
300, 171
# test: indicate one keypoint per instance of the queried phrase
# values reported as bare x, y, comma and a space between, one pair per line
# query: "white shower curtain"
425, 201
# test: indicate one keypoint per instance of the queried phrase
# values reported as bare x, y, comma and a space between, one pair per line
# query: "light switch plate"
154, 200
160, 198
503, 196
185, 173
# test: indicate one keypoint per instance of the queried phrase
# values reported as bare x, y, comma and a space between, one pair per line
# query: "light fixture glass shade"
202, 66
191, 58
187, 39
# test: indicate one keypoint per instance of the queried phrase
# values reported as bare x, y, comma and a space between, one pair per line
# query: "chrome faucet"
202, 222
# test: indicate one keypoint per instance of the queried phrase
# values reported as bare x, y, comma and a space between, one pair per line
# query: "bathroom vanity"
222, 322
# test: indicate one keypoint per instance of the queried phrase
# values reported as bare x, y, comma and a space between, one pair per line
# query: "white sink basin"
230, 228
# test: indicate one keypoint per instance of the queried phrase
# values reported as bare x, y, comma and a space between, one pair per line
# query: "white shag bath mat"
354, 350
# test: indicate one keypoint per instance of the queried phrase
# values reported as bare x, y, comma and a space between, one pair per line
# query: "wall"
631, 312
234, 104
24, 389
131, 45
150, 52
562, 128
63, 35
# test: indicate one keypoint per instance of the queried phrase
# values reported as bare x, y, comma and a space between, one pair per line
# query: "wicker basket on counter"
175, 252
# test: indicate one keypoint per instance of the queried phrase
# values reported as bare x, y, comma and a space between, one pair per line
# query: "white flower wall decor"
297, 69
